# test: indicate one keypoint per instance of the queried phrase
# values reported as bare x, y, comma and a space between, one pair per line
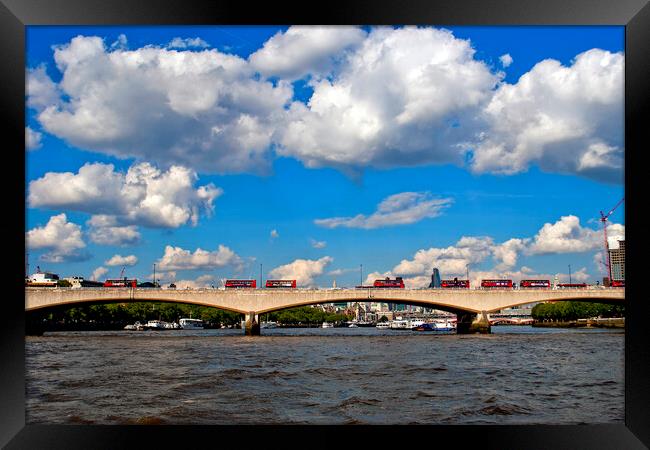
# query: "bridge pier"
468, 323
252, 325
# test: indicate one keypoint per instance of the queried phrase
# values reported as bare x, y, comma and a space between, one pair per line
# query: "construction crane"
122, 272
603, 219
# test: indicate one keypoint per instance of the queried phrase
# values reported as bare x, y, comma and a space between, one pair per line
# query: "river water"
516, 375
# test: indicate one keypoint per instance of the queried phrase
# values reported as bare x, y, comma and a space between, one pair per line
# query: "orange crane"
603, 219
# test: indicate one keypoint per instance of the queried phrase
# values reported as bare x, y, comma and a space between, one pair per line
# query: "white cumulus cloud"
390, 97
176, 258
564, 236
98, 273
568, 236
145, 195
318, 244
104, 230
506, 60
197, 42
398, 209
303, 50
563, 119
200, 109
32, 139
403, 97
118, 260
449, 260
42, 91
201, 282
302, 270
62, 240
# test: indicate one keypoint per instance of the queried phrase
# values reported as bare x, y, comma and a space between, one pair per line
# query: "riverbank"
614, 322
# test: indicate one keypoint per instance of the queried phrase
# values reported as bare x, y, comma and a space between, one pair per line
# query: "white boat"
172, 326
414, 323
352, 325
327, 325
269, 324
135, 326
444, 326
402, 324
383, 325
155, 325
190, 324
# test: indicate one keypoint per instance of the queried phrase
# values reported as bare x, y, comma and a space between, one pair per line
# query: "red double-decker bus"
454, 284
241, 284
571, 285
281, 284
535, 284
124, 282
388, 283
496, 283
617, 283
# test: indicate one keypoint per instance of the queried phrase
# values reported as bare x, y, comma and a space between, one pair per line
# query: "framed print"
409, 218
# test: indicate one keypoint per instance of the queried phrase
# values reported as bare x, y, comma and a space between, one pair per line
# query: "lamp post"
154, 274
260, 276
570, 274
360, 274
467, 267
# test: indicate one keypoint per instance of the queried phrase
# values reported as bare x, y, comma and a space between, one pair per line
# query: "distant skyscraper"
435, 279
617, 260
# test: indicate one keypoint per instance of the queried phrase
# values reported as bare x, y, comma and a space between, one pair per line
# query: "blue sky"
306, 132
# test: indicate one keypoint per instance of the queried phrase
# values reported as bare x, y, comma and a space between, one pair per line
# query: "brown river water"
516, 375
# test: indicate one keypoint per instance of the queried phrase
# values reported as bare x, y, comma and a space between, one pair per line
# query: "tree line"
117, 315
305, 315
567, 310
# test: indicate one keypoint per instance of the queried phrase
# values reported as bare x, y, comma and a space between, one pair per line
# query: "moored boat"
446, 325
135, 326
190, 324
399, 324
327, 325
383, 325
155, 325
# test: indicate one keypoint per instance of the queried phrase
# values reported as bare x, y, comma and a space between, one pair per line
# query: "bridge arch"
422, 303
106, 301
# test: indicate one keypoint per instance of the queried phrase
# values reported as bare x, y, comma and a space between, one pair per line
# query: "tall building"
617, 261
435, 279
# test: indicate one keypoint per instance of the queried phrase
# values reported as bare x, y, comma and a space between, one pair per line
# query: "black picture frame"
633, 14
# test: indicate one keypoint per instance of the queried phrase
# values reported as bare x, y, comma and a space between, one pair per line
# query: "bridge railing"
373, 290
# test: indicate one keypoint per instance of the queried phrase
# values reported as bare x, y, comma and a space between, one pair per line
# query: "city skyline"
207, 151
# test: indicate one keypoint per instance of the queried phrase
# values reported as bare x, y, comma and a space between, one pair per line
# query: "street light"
361, 274
569, 273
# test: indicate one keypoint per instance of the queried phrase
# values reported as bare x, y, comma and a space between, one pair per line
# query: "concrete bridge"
471, 306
